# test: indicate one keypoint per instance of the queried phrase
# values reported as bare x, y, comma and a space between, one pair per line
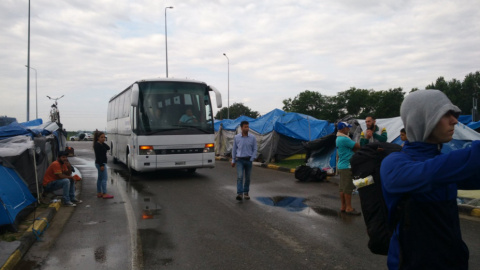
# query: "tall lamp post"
36, 93
28, 63
166, 48
228, 78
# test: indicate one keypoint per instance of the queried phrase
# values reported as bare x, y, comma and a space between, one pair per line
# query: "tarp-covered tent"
279, 134
14, 196
224, 132
474, 125
462, 137
465, 119
29, 148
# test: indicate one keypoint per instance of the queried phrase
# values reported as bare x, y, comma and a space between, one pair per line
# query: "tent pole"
36, 175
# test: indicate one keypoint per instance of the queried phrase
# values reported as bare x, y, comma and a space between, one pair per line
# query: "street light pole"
28, 63
166, 48
36, 93
228, 79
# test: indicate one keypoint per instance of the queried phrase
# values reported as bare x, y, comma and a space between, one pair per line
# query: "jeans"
102, 179
243, 165
66, 184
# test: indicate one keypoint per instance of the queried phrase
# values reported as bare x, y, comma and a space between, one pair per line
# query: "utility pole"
28, 64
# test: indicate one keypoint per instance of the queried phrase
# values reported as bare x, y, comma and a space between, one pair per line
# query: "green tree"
470, 89
355, 102
310, 103
387, 103
236, 110
460, 93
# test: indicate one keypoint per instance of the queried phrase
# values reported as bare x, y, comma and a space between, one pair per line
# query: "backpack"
305, 173
366, 162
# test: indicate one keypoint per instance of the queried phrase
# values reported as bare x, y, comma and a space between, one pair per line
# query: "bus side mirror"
134, 97
218, 95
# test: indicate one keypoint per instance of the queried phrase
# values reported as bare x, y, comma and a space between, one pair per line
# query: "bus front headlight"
146, 150
209, 147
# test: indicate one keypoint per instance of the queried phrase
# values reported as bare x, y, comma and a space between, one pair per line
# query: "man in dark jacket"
424, 182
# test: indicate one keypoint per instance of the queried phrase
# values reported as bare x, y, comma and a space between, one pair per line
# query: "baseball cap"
343, 125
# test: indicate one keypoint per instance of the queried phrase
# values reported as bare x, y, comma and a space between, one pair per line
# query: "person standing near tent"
244, 152
101, 148
345, 148
423, 183
373, 133
403, 136
59, 176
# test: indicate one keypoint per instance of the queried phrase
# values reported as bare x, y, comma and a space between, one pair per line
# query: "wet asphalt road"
175, 220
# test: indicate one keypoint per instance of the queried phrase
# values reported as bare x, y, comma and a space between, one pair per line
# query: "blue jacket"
428, 235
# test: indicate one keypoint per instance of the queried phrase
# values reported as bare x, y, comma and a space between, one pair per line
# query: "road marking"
136, 246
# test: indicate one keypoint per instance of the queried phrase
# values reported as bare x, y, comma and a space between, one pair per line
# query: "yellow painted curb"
292, 170
273, 166
12, 261
38, 225
475, 212
55, 205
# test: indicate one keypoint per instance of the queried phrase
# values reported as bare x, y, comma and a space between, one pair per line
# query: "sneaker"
107, 196
69, 204
99, 195
246, 197
239, 197
76, 201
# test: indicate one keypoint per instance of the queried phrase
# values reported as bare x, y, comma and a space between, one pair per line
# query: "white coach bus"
159, 124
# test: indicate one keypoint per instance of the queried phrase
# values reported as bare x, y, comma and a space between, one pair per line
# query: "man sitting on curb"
59, 176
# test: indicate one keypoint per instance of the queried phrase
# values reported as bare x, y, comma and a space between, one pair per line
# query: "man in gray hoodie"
420, 186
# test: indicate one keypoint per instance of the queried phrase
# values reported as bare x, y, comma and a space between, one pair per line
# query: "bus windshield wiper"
201, 129
162, 130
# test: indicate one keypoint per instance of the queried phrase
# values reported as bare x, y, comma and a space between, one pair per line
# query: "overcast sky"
90, 50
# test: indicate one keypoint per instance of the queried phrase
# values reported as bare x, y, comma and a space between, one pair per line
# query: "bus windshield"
170, 108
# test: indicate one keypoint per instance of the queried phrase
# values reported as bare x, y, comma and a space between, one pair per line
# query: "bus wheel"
115, 159
192, 170
130, 169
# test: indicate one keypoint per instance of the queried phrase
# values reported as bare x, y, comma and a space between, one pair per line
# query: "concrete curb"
28, 238
469, 210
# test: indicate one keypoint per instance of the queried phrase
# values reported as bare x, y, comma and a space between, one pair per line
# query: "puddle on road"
137, 191
297, 204
291, 204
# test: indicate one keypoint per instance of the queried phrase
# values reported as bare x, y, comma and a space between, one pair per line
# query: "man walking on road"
244, 152
420, 186
59, 176
345, 148
373, 133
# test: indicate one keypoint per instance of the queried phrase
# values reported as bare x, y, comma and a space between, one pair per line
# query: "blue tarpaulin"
30, 128
474, 125
14, 195
294, 125
465, 119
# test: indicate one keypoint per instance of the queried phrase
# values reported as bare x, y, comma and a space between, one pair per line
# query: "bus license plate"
180, 163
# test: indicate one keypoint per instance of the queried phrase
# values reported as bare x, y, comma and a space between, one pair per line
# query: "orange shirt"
53, 171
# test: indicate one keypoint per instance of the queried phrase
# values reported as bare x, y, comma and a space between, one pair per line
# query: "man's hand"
369, 134
102, 168
233, 165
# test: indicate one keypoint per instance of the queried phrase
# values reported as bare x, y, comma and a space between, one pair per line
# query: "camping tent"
324, 157
279, 134
462, 137
14, 196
